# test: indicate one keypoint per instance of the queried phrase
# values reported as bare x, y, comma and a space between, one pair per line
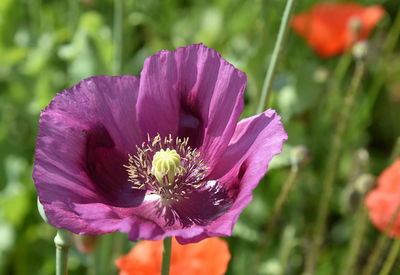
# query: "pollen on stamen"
167, 167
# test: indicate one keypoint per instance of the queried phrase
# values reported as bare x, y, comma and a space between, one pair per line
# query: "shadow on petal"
200, 207
104, 164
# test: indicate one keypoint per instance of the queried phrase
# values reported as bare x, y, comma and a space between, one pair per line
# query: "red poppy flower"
326, 27
208, 257
383, 201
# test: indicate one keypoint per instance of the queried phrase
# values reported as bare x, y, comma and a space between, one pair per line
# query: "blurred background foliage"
47, 46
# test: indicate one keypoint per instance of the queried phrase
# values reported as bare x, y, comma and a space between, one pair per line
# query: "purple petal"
200, 207
109, 219
243, 165
84, 137
192, 92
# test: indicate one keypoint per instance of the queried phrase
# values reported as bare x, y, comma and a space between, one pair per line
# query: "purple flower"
163, 155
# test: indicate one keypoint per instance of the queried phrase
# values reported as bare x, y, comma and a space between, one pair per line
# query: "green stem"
356, 241
73, 14
379, 80
381, 243
282, 197
394, 252
373, 259
332, 167
118, 34
333, 94
299, 156
274, 63
103, 256
62, 242
395, 152
383, 238
166, 256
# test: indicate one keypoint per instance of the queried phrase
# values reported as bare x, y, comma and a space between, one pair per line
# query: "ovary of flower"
166, 162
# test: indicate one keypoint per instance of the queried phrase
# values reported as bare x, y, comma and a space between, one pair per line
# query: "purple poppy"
159, 156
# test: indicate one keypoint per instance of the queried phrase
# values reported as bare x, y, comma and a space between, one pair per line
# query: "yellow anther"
166, 162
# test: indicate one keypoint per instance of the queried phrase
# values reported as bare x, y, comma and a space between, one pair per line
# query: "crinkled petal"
181, 93
255, 142
199, 207
84, 137
151, 220
141, 222
133, 220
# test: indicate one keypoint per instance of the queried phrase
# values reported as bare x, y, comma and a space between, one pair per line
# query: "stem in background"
91, 270
166, 256
34, 17
275, 58
282, 197
299, 157
394, 252
73, 14
396, 151
62, 242
102, 262
333, 91
362, 183
380, 245
388, 48
332, 167
361, 226
118, 34
383, 238
356, 241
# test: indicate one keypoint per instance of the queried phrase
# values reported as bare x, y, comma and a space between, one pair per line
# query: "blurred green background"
47, 46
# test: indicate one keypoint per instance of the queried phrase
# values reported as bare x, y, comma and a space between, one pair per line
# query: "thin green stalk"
333, 159
394, 252
103, 255
118, 34
373, 259
380, 245
333, 92
357, 238
73, 14
119, 245
35, 17
62, 242
275, 58
383, 238
379, 80
282, 198
91, 267
166, 256
395, 152
299, 156
358, 177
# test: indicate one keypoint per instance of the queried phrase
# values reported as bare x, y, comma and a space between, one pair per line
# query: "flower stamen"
167, 167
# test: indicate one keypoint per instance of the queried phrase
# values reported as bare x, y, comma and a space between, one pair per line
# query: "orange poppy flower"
383, 201
208, 257
326, 27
